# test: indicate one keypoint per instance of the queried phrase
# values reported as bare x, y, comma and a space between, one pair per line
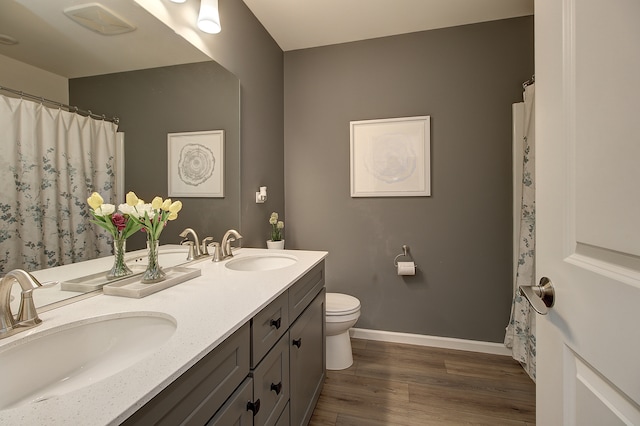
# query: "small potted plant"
276, 241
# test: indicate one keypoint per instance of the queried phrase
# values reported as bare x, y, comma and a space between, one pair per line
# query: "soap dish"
133, 287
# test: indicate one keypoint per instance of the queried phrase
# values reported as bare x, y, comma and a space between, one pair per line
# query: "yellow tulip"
132, 199
175, 207
156, 204
95, 200
172, 216
165, 204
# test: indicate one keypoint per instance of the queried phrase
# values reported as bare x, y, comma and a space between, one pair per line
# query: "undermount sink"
75, 355
263, 262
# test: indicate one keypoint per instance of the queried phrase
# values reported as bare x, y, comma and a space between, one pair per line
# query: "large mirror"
154, 81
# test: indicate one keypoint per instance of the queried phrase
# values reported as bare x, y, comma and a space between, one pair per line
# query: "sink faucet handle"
27, 313
217, 252
205, 250
191, 255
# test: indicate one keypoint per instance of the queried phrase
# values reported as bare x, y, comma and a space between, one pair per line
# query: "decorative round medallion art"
196, 164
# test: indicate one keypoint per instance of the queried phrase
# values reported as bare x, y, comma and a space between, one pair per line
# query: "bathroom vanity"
248, 348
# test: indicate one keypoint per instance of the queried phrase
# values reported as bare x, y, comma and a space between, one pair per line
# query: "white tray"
98, 280
132, 287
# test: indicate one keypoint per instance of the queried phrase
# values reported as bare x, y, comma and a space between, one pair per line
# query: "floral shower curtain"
52, 160
521, 331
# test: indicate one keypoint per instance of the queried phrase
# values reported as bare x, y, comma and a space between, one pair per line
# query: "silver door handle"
541, 297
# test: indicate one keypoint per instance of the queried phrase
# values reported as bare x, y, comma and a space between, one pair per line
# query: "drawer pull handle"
275, 323
297, 342
254, 407
276, 388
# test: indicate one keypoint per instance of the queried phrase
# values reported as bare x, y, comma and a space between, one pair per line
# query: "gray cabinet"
234, 411
195, 396
268, 373
307, 360
268, 326
271, 383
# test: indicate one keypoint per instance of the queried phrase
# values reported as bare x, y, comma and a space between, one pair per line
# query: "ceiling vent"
99, 19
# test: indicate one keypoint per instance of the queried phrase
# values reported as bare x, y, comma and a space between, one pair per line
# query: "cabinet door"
307, 360
271, 383
234, 412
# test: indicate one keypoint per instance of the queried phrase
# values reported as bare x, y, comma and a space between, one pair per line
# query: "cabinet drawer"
234, 411
194, 397
271, 383
267, 327
304, 290
284, 417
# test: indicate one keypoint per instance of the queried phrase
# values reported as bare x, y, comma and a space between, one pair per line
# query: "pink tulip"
119, 221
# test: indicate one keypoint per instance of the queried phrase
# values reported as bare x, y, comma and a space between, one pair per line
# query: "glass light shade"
209, 17
178, 1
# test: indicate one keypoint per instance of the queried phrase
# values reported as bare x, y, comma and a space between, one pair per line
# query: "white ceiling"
299, 24
50, 40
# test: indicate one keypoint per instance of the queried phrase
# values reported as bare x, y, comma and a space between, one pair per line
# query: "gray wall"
245, 48
151, 103
466, 79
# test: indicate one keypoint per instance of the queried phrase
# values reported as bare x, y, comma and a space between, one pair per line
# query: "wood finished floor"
406, 385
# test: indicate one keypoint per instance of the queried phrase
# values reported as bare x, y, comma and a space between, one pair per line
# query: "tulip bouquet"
152, 218
276, 227
117, 224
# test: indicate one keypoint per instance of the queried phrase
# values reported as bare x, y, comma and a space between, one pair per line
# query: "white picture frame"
196, 164
391, 157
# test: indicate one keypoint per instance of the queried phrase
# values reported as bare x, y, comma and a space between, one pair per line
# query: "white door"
588, 210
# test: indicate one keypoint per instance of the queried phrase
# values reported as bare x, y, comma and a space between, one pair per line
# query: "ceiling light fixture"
178, 1
209, 17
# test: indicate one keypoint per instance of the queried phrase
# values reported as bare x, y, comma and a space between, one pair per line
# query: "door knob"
540, 297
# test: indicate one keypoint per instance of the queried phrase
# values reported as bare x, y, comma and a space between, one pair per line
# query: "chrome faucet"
27, 315
229, 236
195, 253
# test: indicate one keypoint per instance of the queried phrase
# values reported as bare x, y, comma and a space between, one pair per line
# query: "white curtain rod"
69, 108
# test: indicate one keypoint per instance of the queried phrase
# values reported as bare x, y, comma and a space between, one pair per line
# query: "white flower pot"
275, 244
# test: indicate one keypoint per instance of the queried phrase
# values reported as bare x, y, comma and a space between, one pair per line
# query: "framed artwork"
391, 157
196, 164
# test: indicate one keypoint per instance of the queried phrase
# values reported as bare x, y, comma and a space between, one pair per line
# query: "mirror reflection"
155, 83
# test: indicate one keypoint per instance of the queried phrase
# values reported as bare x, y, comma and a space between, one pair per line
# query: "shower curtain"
521, 332
51, 161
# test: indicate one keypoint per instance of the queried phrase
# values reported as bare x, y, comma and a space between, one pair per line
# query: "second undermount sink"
70, 357
261, 262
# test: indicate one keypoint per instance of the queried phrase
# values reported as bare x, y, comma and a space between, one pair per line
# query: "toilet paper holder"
405, 253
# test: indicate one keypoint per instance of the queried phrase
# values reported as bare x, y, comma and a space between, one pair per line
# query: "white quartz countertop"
207, 310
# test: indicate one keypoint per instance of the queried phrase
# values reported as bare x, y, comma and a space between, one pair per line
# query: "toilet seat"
341, 304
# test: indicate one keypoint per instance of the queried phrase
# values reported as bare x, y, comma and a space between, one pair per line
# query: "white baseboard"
432, 341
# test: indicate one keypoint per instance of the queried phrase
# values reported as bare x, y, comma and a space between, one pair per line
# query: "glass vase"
119, 268
154, 272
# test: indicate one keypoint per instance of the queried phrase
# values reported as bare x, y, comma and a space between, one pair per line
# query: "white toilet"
342, 312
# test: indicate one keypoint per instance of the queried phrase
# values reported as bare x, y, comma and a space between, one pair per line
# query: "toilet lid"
341, 304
